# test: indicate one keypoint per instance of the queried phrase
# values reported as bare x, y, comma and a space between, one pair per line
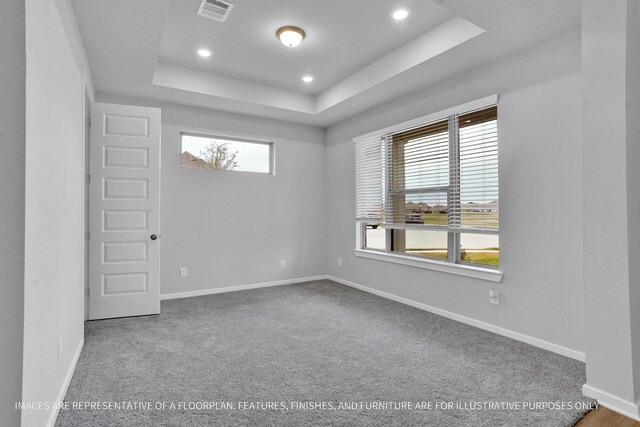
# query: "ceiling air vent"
215, 9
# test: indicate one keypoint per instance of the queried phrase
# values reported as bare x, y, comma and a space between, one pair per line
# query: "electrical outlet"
283, 264
59, 348
494, 296
339, 262
183, 272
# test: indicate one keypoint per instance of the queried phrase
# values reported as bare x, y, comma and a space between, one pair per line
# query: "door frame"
86, 174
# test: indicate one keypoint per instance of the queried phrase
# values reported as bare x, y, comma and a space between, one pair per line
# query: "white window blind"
478, 170
370, 178
418, 165
439, 175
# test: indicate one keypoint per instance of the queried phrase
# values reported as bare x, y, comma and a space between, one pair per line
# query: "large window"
226, 154
430, 190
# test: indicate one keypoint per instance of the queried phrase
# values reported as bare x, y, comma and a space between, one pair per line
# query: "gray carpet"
312, 342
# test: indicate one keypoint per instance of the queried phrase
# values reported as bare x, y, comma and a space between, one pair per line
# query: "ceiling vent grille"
215, 9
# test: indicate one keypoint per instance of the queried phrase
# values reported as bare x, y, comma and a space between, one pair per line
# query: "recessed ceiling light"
204, 53
290, 36
307, 79
400, 14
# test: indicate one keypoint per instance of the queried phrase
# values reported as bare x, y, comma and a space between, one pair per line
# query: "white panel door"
124, 221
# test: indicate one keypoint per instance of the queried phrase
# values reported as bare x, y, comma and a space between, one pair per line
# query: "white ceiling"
246, 46
360, 57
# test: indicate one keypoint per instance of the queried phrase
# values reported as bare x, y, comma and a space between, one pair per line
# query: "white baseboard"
608, 400
564, 351
190, 294
51, 422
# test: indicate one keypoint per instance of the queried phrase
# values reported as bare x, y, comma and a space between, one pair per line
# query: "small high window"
226, 154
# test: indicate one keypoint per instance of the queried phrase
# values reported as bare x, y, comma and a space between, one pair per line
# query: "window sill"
488, 274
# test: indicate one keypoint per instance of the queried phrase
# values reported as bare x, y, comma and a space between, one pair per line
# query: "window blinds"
440, 175
370, 179
478, 169
418, 175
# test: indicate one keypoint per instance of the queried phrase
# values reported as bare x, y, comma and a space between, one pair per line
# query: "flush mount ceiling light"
400, 14
290, 36
204, 53
307, 79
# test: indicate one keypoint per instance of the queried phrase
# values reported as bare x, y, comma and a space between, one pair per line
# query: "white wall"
540, 197
611, 89
232, 228
632, 103
12, 164
54, 208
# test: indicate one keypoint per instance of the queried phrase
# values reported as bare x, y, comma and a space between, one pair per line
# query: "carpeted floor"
320, 343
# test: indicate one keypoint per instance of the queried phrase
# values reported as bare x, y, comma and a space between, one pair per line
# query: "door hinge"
87, 235
89, 122
88, 179
88, 292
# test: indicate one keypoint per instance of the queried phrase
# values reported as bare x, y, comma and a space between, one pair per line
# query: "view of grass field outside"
476, 248
421, 171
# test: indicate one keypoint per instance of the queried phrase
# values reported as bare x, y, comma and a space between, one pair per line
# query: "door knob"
154, 237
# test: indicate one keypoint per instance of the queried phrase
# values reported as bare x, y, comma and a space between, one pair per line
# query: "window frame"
232, 138
453, 264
